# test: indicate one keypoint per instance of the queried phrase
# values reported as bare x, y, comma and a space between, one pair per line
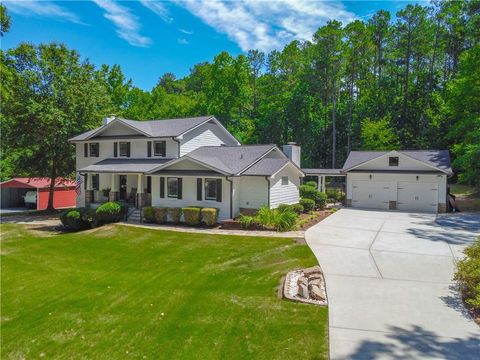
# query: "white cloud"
158, 8
183, 41
267, 25
41, 8
128, 27
188, 32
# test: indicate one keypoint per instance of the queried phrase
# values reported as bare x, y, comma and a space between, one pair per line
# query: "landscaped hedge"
308, 204
468, 276
310, 192
76, 219
209, 216
160, 215
109, 212
191, 214
298, 208
174, 214
149, 214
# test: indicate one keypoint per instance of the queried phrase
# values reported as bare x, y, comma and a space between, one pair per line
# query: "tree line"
406, 82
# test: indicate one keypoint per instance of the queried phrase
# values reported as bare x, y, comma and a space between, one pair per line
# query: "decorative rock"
317, 293
311, 270
302, 280
303, 291
314, 276
315, 282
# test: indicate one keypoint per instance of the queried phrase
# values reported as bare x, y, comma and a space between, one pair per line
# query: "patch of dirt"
308, 220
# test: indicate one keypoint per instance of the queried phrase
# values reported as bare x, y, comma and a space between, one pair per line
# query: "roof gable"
408, 160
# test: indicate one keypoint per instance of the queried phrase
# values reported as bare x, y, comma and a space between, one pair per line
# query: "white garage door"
413, 196
370, 194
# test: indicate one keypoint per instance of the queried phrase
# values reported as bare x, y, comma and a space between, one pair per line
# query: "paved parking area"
389, 284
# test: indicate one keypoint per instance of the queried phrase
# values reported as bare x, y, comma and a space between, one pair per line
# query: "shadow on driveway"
417, 343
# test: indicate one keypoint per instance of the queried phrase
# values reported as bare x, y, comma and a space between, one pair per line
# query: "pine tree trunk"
334, 126
51, 191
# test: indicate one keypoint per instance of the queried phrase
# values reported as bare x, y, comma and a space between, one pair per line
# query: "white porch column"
113, 195
319, 183
140, 194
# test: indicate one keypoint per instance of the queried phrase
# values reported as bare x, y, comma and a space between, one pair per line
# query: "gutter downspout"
231, 196
268, 188
178, 142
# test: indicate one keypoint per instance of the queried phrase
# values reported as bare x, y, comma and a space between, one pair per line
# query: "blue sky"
148, 38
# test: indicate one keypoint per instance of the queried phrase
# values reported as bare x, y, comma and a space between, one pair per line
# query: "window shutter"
128, 149
98, 149
149, 148
85, 178
164, 148
162, 187
85, 150
149, 184
199, 189
219, 190
115, 149
179, 188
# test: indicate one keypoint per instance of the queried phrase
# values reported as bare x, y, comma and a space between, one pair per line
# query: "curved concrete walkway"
389, 284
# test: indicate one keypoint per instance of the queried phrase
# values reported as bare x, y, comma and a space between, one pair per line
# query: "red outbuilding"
33, 193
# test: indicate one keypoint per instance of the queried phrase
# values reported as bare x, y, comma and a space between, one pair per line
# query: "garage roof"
36, 183
439, 159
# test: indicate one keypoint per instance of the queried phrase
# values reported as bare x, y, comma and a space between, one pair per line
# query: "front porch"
132, 189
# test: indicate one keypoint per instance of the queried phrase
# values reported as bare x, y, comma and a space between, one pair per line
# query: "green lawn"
122, 292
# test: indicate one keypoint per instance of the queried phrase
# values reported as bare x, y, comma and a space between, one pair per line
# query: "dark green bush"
174, 214
308, 204
209, 216
109, 212
149, 214
321, 201
76, 219
191, 214
283, 207
312, 184
160, 215
298, 208
468, 275
280, 220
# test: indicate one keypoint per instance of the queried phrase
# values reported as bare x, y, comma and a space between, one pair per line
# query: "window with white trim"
159, 148
123, 149
210, 189
172, 187
94, 149
284, 180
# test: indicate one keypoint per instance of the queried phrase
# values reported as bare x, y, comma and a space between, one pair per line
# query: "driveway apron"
389, 284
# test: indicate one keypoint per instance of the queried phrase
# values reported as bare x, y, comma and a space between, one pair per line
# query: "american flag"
78, 185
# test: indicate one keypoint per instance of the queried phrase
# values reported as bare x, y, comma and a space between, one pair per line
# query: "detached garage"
398, 180
34, 192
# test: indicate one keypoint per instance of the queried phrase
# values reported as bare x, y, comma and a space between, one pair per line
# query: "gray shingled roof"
437, 158
155, 128
125, 165
266, 166
230, 159
310, 171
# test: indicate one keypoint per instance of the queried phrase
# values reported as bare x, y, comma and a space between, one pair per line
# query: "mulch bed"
320, 215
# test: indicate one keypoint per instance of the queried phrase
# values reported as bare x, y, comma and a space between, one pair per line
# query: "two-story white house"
182, 162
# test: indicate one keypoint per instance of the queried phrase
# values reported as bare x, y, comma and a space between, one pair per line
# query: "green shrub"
76, 219
468, 275
280, 220
149, 214
283, 207
160, 215
174, 214
109, 212
209, 216
312, 184
308, 204
321, 201
191, 214
298, 208
247, 221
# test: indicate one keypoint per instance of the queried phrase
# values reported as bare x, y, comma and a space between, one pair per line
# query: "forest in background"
409, 82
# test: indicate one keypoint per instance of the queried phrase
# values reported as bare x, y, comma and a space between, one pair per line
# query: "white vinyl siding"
208, 134
285, 194
253, 192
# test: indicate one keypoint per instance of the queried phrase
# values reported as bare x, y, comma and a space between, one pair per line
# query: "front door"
123, 187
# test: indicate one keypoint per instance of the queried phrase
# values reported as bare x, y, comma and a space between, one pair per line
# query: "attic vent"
393, 161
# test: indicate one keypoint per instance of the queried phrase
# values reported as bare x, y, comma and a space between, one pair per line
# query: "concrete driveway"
389, 284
